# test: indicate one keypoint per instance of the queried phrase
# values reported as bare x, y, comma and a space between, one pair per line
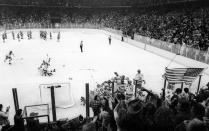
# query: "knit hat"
33, 114
134, 106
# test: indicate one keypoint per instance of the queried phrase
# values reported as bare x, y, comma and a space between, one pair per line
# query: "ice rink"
96, 64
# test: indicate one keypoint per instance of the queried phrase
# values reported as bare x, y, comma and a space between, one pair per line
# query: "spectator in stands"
207, 103
96, 105
135, 116
186, 94
164, 119
175, 99
33, 122
18, 121
197, 114
206, 117
183, 112
91, 126
197, 111
196, 125
148, 115
120, 115
105, 114
112, 123
4, 122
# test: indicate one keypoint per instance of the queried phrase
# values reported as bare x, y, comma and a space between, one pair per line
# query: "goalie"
9, 57
44, 68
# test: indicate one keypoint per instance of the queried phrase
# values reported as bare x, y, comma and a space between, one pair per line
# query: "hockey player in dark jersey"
81, 46
30, 32
3, 37
43, 35
50, 35
21, 34
13, 35
58, 36
18, 36
110, 39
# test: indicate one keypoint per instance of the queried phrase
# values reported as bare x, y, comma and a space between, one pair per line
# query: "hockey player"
21, 34
50, 35
3, 37
43, 35
122, 38
44, 68
13, 35
18, 36
81, 46
9, 57
110, 40
58, 37
30, 34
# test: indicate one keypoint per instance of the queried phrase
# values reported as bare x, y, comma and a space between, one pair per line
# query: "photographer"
4, 122
18, 121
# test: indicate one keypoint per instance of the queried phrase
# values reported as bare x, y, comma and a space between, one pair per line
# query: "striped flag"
179, 75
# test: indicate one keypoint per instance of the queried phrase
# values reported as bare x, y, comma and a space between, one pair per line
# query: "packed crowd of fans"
183, 112
182, 26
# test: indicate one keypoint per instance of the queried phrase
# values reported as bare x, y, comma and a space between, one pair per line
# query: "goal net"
63, 94
40, 111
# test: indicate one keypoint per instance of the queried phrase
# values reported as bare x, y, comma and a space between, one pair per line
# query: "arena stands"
186, 25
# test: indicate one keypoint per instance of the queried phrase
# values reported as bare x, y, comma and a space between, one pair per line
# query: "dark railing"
30, 117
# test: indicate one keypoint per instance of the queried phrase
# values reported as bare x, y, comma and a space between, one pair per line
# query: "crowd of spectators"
185, 111
182, 26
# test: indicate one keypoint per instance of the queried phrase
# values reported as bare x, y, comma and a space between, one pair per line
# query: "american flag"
179, 75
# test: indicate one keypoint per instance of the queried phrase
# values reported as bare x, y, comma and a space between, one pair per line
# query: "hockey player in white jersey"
44, 67
9, 57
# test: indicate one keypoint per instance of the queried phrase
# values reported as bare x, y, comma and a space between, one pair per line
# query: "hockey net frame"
57, 85
37, 107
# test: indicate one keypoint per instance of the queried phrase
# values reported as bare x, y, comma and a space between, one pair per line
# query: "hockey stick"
87, 69
18, 58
